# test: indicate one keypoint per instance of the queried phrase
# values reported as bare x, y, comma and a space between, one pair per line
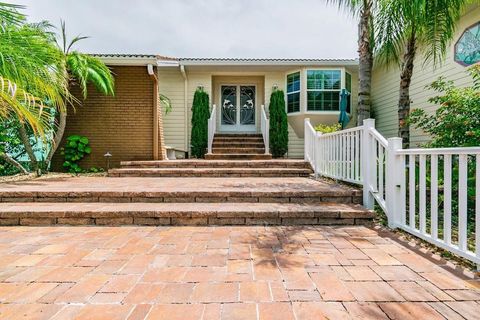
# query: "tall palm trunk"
62, 123
404, 96
366, 62
28, 148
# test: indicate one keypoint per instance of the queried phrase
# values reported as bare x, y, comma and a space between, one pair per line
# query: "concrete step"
217, 164
237, 156
237, 144
238, 135
236, 150
182, 214
238, 139
210, 172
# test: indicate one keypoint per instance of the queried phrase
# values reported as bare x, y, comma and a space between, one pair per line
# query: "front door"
237, 108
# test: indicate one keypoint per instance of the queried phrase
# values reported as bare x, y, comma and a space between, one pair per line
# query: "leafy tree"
200, 115
365, 10
404, 26
456, 122
278, 124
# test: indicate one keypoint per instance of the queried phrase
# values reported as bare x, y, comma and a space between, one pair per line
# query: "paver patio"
224, 273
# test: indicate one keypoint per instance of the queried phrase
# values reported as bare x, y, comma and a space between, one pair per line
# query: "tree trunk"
58, 138
404, 96
28, 148
13, 162
366, 63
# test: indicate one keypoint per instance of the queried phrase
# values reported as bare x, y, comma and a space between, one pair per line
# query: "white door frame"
237, 127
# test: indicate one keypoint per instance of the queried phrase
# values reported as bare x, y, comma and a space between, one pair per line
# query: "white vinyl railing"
433, 194
265, 127
212, 127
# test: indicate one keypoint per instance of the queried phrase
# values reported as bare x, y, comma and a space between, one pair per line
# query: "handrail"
265, 127
212, 127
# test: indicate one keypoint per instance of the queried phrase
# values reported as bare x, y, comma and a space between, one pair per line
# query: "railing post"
395, 170
306, 146
368, 163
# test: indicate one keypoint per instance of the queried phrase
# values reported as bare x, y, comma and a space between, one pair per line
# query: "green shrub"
76, 148
200, 115
324, 128
278, 124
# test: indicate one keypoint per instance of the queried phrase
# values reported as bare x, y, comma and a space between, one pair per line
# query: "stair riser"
238, 145
186, 197
238, 157
210, 174
236, 136
117, 219
213, 165
237, 140
235, 150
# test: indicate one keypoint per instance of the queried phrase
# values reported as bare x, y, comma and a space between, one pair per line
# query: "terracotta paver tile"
172, 274
83, 290
7, 289
52, 295
176, 312
445, 311
215, 292
330, 287
464, 295
54, 249
109, 266
303, 295
362, 273
140, 312
239, 266
381, 257
175, 293
412, 291
239, 311
275, 311
373, 291
325, 259
396, 273
31, 274
31, 293
415, 262
209, 260
279, 293
319, 310
202, 274
144, 293
353, 254
120, 283
212, 311
266, 270
410, 310
137, 264
33, 311
444, 281
67, 274
107, 298
467, 309
364, 311
28, 260
102, 312
255, 292
181, 260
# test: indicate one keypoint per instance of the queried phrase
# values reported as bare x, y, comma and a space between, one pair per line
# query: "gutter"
151, 73
185, 99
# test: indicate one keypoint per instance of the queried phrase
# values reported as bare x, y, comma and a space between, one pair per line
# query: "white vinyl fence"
433, 194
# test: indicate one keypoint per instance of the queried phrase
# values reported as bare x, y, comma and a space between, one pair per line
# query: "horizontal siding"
385, 85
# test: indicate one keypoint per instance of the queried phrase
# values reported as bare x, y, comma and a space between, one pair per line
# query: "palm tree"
81, 70
30, 77
365, 10
404, 26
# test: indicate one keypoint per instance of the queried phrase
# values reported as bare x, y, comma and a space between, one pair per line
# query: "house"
463, 52
132, 126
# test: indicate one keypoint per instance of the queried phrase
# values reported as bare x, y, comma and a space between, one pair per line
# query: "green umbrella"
344, 119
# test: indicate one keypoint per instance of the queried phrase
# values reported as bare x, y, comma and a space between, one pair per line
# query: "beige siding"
385, 85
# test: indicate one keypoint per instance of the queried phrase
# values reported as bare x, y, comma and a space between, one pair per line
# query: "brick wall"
122, 125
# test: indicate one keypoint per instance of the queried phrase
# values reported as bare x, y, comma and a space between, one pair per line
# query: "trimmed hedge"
278, 124
200, 115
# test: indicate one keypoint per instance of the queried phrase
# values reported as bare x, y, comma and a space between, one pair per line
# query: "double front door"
238, 108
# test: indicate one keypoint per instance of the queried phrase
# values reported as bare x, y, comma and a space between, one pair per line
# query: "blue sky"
205, 28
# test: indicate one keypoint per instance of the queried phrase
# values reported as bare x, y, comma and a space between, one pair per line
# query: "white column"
368, 163
394, 179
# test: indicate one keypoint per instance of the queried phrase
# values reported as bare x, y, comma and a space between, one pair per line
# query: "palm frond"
165, 102
9, 14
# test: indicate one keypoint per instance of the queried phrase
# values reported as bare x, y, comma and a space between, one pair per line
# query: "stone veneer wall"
121, 125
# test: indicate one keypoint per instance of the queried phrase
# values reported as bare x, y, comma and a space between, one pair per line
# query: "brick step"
237, 156
238, 140
217, 164
238, 135
210, 172
181, 214
236, 150
236, 144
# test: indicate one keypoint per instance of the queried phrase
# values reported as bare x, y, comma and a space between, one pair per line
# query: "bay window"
323, 90
293, 92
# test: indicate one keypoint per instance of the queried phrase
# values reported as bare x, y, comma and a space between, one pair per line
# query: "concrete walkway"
224, 273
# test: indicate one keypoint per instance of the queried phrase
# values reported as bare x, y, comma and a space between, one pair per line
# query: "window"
323, 90
293, 92
467, 50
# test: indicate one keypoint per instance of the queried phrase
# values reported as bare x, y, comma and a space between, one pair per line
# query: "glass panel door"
247, 105
238, 104
229, 105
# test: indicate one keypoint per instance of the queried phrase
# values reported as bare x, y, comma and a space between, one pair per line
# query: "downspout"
153, 76
185, 99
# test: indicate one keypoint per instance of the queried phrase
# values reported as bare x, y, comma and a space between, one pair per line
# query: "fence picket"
434, 196
411, 191
447, 199
462, 202
422, 210
477, 206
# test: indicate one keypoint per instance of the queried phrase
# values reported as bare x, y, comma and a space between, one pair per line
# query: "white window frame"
299, 71
342, 86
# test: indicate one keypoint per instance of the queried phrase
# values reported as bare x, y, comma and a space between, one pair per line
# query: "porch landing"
185, 201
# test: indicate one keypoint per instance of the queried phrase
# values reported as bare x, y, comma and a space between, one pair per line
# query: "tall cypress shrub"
278, 124
200, 115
